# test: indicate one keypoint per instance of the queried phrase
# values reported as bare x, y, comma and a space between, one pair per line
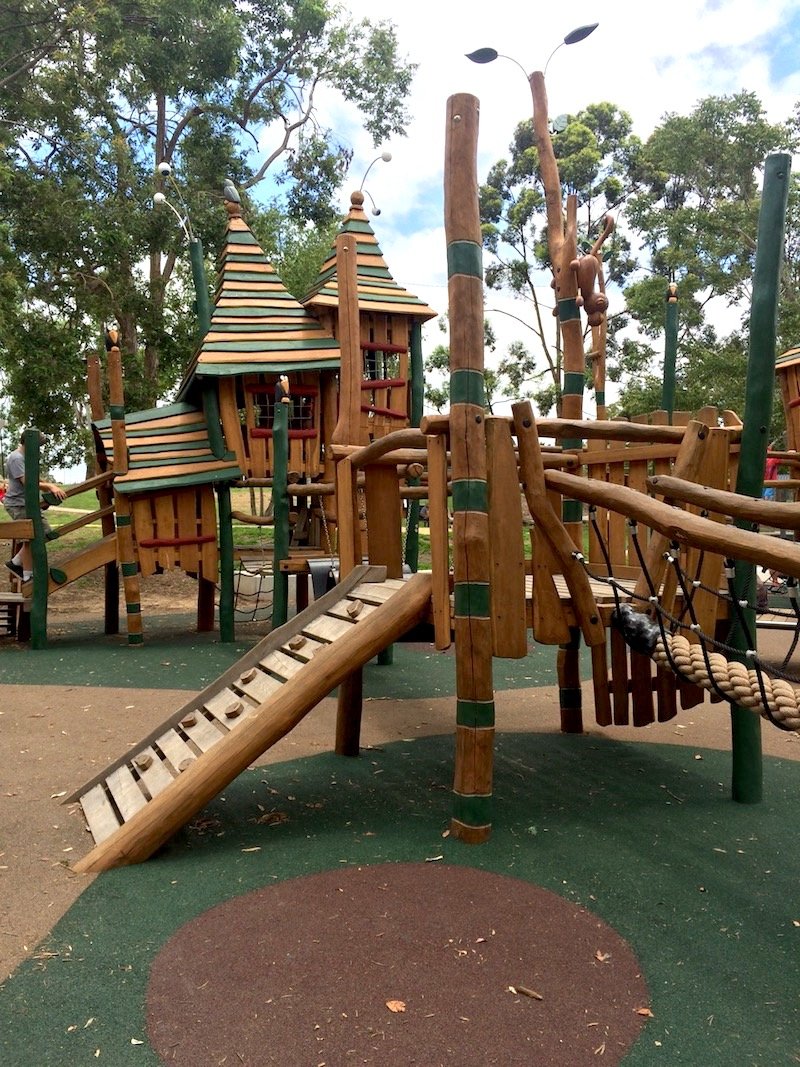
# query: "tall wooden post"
348, 427
105, 497
125, 548
280, 499
746, 727
670, 350
473, 628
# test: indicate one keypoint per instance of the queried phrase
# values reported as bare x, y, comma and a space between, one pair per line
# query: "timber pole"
472, 787
670, 351
280, 497
126, 550
746, 782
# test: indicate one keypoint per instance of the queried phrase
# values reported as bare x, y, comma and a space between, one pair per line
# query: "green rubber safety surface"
644, 836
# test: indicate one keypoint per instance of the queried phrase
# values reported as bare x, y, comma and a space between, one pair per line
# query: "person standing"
21, 564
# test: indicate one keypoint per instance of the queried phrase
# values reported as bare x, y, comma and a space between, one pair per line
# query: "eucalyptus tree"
595, 150
89, 108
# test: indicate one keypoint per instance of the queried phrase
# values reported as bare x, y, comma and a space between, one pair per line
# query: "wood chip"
525, 992
185, 764
234, 710
296, 642
396, 1005
248, 676
354, 609
189, 720
143, 761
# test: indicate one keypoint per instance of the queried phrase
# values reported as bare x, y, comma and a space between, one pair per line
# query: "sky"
647, 59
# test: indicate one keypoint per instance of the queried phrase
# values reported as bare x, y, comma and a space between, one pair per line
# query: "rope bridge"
702, 659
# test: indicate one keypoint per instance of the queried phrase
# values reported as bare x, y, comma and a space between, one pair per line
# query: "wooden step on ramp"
137, 803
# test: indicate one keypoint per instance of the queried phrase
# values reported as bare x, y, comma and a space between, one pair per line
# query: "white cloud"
647, 60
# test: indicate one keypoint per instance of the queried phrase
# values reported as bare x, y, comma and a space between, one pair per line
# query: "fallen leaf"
602, 957
396, 1005
136, 1041
644, 1011
55, 796
256, 848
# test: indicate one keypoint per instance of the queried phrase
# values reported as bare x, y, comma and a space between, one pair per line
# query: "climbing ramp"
138, 802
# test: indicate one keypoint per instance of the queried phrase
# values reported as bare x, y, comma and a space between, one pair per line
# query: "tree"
595, 150
437, 371
217, 88
696, 208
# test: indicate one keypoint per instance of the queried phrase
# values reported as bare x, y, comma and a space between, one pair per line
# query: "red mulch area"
479, 968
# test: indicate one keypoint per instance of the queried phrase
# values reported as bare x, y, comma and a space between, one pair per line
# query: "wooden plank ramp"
145, 796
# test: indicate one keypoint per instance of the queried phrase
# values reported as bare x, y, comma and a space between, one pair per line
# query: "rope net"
743, 678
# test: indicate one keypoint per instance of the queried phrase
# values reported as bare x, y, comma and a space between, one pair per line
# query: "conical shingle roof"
256, 324
377, 289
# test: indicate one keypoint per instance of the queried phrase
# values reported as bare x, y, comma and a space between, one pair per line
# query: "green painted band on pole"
471, 600
470, 494
464, 257
123, 520
573, 383
116, 412
568, 309
135, 639
134, 608
600, 397
472, 810
467, 386
475, 713
572, 511
129, 570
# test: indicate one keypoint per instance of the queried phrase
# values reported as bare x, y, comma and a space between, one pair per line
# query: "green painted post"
227, 624
280, 499
670, 350
39, 542
212, 417
202, 302
746, 727
203, 308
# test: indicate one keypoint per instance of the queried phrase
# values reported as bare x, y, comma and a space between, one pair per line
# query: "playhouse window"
302, 410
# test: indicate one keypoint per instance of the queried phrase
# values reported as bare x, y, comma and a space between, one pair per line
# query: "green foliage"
690, 197
216, 88
594, 153
437, 371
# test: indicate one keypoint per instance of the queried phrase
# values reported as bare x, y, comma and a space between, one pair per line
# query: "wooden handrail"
681, 526
83, 520
587, 429
784, 516
375, 450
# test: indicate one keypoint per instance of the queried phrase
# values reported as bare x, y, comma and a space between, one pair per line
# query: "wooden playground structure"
636, 538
